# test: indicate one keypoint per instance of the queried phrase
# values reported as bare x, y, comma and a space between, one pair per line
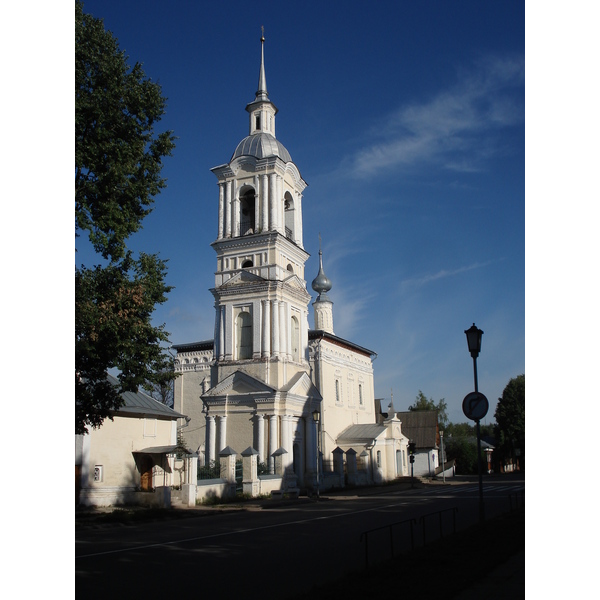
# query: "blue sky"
407, 122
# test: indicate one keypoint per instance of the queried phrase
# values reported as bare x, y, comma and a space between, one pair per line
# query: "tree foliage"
510, 420
422, 403
161, 388
118, 161
464, 451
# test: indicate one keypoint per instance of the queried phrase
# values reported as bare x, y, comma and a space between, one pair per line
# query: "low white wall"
213, 488
269, 483
119, 496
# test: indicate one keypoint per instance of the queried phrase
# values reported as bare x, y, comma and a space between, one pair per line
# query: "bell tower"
261, 301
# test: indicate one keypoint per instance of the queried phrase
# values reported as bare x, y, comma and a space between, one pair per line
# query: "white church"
267, 381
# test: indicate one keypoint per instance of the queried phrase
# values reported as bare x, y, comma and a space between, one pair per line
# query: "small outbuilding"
421, 427
131, 458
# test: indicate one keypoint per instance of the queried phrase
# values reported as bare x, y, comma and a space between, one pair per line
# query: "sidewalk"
506, 581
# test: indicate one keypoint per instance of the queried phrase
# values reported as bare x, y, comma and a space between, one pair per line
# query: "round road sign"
475, 406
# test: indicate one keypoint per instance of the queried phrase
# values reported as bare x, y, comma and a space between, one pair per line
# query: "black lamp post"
474, 342
316, 416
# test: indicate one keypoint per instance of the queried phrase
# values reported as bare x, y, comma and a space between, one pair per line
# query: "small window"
360, 396
98, 473
247, 264
379, 458
337, 392
257, 122
290, 268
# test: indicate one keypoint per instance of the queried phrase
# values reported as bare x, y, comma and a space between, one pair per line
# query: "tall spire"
261, 93
262, 111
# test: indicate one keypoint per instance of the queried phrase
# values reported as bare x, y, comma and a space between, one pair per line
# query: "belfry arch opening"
247, 212
289, 210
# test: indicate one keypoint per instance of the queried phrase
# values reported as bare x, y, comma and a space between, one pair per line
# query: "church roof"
194, 346
138, 403
420, 426
261, 145
363, 433
315, 334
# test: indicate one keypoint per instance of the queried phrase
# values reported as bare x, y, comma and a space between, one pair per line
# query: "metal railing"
519, 500
411, 522
365, 535
210, 471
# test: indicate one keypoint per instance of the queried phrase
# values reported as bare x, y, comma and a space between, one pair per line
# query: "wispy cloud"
443, 274
452, 128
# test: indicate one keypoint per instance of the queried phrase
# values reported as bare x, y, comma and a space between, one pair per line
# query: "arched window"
295, 340
247, 214
247, 264
244, 336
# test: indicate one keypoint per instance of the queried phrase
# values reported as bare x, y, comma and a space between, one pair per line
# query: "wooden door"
146, 473
77, 482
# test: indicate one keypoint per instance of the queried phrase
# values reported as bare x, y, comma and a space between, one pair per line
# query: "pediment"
239, 384
242, 278
295, 282
301, 385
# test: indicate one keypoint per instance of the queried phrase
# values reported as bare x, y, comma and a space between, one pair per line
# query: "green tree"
118, 161
457, 430
510, 421
464, 451
422, 403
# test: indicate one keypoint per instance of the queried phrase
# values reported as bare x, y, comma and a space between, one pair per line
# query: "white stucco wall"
110, 448
331, 363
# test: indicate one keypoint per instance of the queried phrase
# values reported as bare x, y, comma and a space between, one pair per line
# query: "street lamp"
474, 342
475, 405
443, 459
316, 416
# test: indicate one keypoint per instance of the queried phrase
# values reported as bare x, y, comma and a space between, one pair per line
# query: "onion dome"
321, 283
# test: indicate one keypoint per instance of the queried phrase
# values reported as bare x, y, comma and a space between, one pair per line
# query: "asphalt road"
276, 552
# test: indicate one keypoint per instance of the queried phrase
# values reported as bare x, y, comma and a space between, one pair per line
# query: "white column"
210, 438
256, 203
227, 214
266, 328
286, 441
264, 203
222, 432
276, 346
298, 221
272, 202
221, 332
273, 441
260, 435
283, 329
228, 327
311, 444
216, 349
280, 215
221, 208
235, 217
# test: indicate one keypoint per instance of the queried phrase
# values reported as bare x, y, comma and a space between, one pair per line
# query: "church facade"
267, 381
